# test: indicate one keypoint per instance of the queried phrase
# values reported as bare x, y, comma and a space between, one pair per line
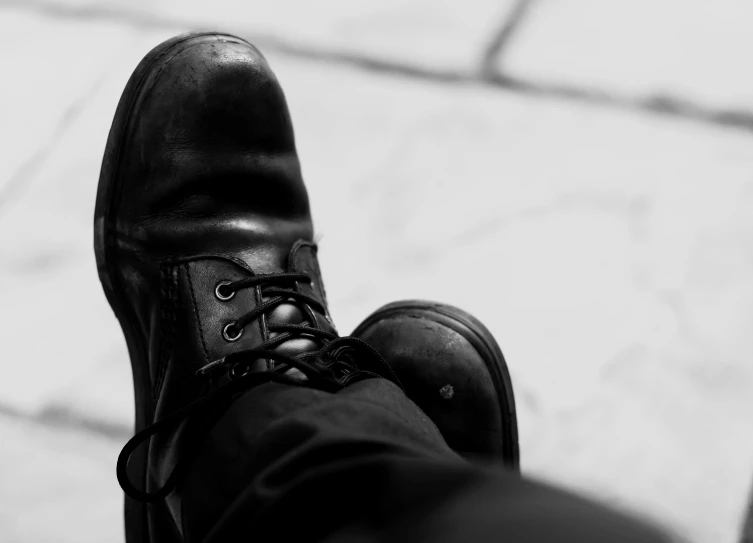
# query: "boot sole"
109, 191
483, 341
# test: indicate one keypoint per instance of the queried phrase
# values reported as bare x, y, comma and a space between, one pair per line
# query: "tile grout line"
62, 419
668, 106
509, 28
653, 104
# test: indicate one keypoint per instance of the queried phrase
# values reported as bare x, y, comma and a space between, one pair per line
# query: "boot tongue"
298, 257
291, 313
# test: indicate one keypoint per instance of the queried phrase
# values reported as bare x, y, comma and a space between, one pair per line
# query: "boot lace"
340, 362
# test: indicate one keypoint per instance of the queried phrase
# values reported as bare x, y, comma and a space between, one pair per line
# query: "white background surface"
609, 249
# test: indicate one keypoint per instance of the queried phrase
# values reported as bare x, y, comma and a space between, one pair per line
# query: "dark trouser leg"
365, 464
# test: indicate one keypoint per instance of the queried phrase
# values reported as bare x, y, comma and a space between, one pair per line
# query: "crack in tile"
24, 175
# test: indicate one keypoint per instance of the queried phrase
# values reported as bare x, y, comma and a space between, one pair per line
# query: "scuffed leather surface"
208, 187
427, 356
209, 167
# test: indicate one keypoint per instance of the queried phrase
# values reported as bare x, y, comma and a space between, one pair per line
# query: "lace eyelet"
218, 291
233, 371
227, 332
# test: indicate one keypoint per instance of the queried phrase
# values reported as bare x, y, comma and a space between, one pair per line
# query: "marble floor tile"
59, 486
696, 51
50, 69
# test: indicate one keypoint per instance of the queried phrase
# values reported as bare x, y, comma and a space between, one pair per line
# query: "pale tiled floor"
605, 236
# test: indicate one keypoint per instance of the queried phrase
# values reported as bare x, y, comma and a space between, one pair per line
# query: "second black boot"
453, 369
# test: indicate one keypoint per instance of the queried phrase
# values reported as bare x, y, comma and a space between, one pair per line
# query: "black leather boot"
451, 366
203, 241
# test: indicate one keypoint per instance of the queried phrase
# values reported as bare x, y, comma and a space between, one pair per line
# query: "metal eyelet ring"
233, 372
218, 291
227, 332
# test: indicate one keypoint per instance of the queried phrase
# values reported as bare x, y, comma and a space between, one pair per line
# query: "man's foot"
453, 369
203, 242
